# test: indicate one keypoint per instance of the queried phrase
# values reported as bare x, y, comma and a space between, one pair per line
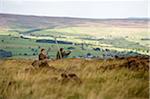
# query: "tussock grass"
18, 80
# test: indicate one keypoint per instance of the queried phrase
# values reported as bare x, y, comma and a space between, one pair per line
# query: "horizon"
77, 9
30, 15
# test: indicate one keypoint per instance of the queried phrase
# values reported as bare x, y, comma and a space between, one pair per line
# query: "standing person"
61, 53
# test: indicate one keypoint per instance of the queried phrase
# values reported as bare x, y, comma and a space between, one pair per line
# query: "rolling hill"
109, 59
18, 33
22, 21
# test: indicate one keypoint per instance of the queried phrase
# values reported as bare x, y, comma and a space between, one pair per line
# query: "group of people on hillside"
43, 56
60, 54
43, 62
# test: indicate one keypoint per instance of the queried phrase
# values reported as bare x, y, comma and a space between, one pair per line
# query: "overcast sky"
83, 8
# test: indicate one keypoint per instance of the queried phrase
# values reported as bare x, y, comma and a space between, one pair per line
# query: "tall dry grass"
19, 81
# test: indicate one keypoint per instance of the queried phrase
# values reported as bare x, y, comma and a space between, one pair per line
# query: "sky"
81, 9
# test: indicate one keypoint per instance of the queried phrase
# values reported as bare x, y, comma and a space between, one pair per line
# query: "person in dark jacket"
61, 53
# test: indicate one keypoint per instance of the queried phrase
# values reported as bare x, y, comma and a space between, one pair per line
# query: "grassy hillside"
18, 35
122, 76
100, 79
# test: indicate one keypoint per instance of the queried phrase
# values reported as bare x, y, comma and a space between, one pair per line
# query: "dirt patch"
133, 63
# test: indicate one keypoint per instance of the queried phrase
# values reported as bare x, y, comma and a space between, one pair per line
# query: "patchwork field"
19, 35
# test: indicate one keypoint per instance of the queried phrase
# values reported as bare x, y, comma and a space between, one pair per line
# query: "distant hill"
27, 22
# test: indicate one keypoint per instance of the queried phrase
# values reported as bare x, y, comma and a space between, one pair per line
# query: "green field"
116, 35
21, 46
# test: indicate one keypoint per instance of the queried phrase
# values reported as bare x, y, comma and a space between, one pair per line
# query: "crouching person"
43, 60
